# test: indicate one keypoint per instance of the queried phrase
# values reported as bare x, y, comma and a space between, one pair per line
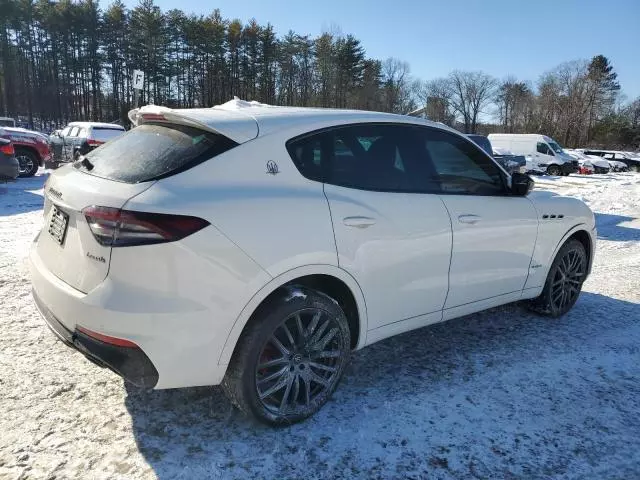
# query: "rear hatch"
66, 244
83, 212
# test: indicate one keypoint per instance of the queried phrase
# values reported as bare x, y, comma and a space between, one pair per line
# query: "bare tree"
434, 96
470, 93
396, 83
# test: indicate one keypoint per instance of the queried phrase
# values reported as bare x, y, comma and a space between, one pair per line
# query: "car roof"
242, 121
113, 126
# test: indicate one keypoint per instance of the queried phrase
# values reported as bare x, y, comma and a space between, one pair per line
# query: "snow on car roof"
243, 120
113, 126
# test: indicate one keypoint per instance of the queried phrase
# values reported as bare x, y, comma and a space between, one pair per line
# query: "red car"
32, 149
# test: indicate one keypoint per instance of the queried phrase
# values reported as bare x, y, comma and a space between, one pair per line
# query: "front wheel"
28, 163
564, 281
634, 168
554, 170
290, 358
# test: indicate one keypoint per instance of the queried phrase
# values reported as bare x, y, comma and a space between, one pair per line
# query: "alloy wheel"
300, 362
567, 280
25, 163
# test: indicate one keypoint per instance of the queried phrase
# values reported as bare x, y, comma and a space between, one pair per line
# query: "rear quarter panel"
279, 220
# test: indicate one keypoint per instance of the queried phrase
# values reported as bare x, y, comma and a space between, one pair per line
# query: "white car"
256, 247
597, 164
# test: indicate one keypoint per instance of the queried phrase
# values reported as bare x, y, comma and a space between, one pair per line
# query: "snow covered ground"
501, 394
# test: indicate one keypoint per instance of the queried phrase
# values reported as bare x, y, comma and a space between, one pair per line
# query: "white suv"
256, 247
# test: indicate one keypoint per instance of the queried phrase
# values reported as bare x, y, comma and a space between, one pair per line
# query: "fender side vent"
560, 216
553, 216
545, 216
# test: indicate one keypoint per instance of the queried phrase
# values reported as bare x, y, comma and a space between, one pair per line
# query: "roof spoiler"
232, 123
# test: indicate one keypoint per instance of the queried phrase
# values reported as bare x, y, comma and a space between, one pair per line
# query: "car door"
391, 235
544, 155
68, 143
494, 233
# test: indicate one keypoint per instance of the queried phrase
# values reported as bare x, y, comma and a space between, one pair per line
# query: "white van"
541, 151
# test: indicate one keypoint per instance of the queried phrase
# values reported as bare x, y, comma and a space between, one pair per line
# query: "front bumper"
130, 363
568, 168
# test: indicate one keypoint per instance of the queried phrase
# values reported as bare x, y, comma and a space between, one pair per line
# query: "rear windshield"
104, 134
152, 151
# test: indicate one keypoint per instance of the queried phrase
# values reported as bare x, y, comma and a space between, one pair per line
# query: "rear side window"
153, 151
104, 134
377, 157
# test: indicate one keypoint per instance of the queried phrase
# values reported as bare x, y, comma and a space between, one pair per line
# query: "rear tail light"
118, 342
8, 149
93, 143
124, 228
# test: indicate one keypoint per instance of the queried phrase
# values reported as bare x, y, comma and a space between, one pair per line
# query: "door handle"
471, 219
358, 222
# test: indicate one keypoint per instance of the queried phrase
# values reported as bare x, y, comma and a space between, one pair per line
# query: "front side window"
65, 132
543, 148
74, 132
460, 166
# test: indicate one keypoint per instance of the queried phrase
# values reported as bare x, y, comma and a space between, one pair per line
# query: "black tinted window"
366, 156
460, 167
543, 148
152, 151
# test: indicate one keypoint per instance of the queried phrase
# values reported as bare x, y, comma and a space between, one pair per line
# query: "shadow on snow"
402, 398
612, 227
18, 197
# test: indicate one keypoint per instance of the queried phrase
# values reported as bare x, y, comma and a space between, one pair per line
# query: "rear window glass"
103, 134
151, 151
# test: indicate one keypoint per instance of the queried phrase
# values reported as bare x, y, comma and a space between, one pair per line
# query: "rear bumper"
130, 363
183, 340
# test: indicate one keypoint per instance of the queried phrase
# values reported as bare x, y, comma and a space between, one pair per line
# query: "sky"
500, 37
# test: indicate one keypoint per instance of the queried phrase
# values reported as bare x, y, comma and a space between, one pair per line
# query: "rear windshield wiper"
84, 161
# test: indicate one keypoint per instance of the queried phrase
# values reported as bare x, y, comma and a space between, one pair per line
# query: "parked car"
257, 247
9, 167
31, 149
598, 164
7, 122
510, 162
545, 153
79, 138
632, 164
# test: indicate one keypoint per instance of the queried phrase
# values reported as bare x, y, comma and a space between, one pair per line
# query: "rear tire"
564, 281
634, 168
290, 358
29, 162
554, 170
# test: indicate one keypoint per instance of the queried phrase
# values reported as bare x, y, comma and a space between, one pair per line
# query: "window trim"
325, 166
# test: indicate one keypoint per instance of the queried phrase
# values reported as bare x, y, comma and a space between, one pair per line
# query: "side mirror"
521, 184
